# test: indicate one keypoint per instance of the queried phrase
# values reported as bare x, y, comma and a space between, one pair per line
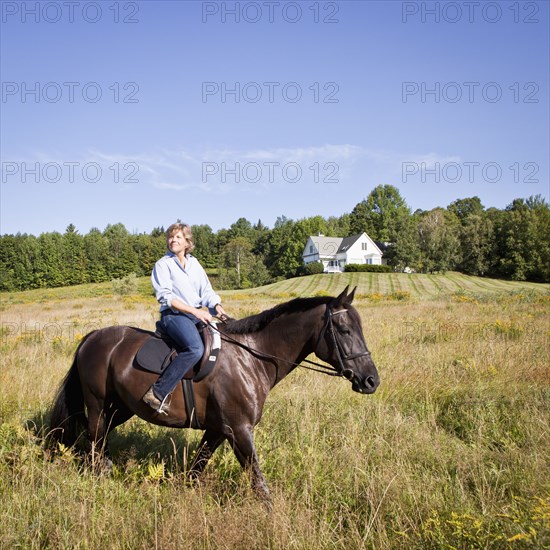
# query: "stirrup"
155, 403
162, 408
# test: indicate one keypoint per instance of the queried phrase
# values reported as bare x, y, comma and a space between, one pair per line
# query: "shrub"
126, 285
312, 268
368, 267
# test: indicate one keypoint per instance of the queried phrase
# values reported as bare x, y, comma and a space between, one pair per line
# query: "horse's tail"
68, 417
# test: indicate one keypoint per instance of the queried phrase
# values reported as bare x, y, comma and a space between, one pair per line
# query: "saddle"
158, 351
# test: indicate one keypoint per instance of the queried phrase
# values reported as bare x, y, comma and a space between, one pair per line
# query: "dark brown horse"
103, 389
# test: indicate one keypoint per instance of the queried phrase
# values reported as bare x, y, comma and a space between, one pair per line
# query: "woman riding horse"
182, 288
103, 388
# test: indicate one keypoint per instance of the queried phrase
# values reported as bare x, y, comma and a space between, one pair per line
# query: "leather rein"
329, 370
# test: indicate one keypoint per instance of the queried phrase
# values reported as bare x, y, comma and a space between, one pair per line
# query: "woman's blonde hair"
187, 233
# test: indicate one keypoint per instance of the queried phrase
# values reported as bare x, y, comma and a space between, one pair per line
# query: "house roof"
328, 246
348, 242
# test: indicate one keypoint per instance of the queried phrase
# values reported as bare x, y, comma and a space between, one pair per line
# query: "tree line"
513, 243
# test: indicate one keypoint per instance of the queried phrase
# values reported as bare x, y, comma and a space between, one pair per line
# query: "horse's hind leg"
210, 442
103, 419
97, 435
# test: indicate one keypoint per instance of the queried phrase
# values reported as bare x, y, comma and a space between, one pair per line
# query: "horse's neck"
288, 339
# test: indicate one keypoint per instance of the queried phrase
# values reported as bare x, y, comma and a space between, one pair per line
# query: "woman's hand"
221, 312
203, 315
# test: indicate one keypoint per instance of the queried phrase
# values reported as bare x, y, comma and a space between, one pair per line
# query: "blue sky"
145, 112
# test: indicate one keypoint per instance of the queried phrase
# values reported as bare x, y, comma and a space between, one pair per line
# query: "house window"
369, 261
311, 249
364, 246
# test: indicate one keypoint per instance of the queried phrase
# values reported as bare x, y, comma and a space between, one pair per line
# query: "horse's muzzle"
366, 385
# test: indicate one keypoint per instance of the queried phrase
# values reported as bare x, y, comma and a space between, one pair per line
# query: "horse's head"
342, 344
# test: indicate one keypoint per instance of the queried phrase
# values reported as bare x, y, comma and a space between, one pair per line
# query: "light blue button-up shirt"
190, 284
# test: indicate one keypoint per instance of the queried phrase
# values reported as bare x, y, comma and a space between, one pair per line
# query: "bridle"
341, 355
328, 326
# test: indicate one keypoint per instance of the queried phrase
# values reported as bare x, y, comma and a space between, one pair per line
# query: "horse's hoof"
193, 478
102, 466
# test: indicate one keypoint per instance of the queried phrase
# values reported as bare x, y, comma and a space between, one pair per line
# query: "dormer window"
311, 249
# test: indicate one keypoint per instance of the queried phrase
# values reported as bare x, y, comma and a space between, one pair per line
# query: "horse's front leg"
242, 442
211, 440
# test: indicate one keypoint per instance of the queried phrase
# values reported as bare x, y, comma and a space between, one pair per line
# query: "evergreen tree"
8, 253
27, 252
50, 267
122, 259
260, 245
241, 228
158, 232
96, 248
146, 251
73, 257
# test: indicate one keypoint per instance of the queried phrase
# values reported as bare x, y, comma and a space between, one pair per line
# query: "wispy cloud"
221, 171
217, 170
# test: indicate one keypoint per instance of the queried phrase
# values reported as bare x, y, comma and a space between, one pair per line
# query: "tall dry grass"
451, 452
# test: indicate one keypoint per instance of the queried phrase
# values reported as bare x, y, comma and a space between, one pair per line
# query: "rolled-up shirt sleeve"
208, 297
162, 284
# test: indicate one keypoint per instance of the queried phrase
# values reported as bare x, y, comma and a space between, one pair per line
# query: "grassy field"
451, 452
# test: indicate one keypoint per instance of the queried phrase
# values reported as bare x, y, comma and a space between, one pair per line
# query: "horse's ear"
342, 297
349, 297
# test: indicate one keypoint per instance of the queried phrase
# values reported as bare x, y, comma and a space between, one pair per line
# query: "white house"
336, 252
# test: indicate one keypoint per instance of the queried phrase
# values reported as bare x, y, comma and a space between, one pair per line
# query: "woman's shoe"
154, 402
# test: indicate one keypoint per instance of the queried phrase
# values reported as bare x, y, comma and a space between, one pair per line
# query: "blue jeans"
183, 331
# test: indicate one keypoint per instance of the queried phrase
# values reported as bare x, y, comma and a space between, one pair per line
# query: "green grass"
424, 287
421, 286
450, 452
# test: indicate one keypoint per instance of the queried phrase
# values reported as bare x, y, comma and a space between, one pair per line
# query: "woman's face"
177, 242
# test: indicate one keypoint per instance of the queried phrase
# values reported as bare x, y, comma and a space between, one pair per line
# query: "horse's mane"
255, 323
